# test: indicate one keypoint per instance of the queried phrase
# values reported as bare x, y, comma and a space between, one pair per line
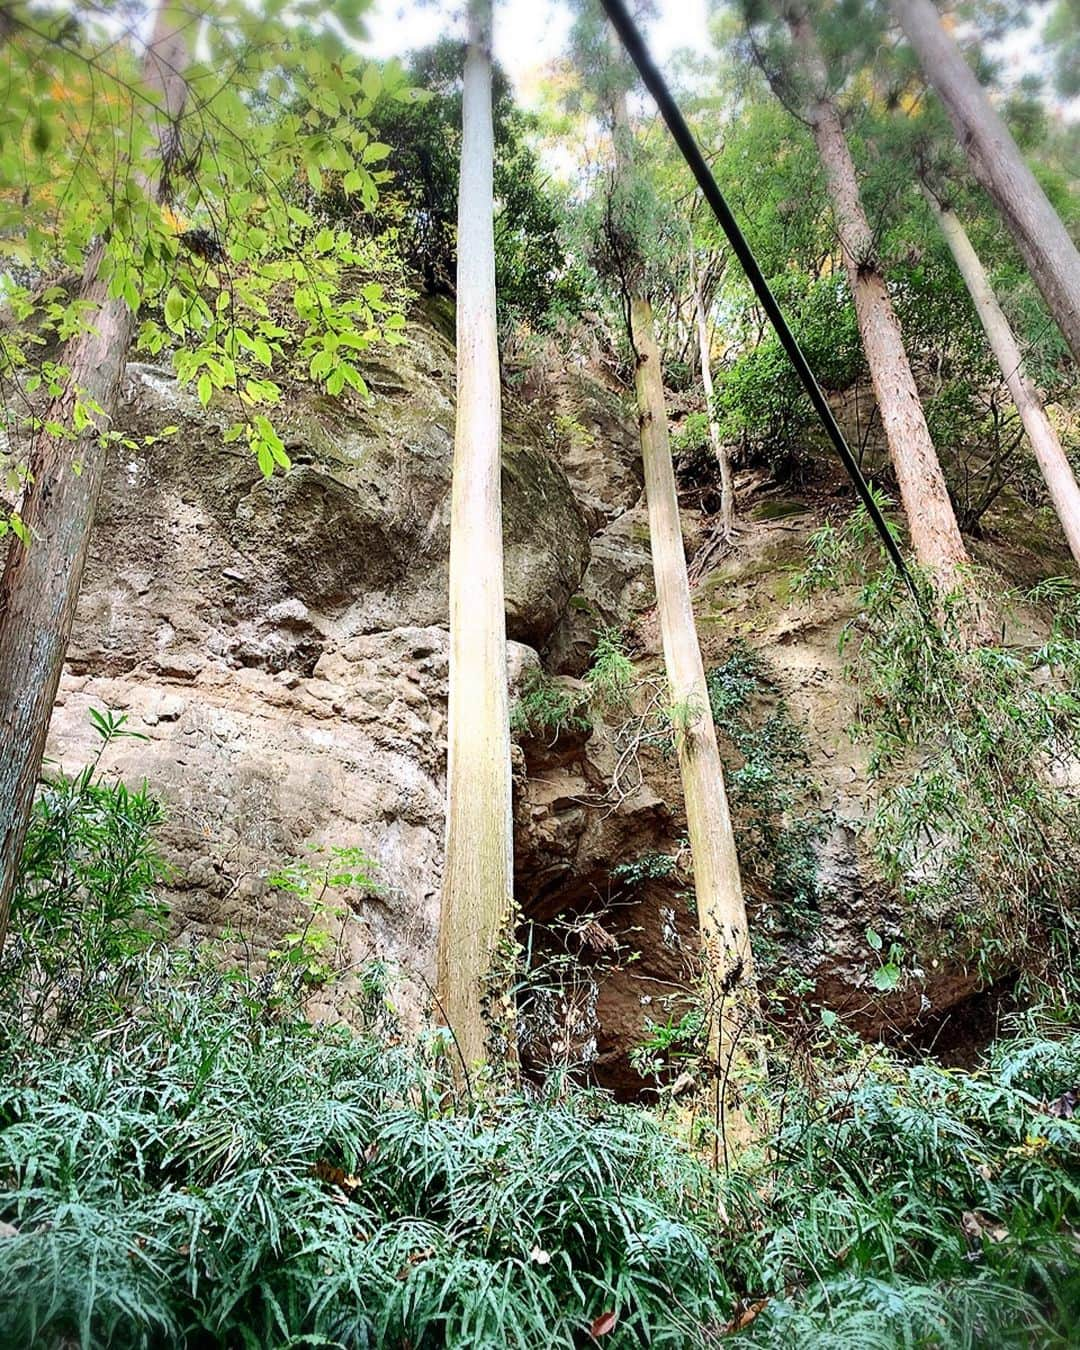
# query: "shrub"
918, 1206
190, 1163
778, 824
546, 709
85, 902
974, 822
980, 836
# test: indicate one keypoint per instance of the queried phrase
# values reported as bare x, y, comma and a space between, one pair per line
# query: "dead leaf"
744, 1316
1065, 1106
335, 1176
603, 1324
598, 938
977, 1226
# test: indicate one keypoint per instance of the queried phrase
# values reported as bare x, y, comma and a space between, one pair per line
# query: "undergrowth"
778, 824
185, 1161
547, 708
971, 746
919, 1206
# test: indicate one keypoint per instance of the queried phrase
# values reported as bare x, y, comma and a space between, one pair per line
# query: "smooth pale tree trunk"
41, 581
730, 988
1056, 469
477, 901
1049, 254
723, 460
935, 534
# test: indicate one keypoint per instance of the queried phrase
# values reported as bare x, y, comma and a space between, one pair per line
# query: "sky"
529, 34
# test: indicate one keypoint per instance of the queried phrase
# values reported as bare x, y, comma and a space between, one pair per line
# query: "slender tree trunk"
723, 459
1056, 469
935, 535
477, 902
41, 581
1050, 255
730, 990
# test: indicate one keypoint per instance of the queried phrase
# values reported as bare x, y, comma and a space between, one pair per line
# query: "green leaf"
886, 977
205, 388
175, 306
321, 364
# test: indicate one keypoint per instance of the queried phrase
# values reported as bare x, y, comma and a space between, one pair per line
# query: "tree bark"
730, 987
41, 581
719, 449
477, 900
935, 534
1049, 254
1056, 469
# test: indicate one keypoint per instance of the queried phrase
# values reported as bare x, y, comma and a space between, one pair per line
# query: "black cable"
635, 47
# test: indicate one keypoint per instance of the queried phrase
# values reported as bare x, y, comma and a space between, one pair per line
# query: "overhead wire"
638, 52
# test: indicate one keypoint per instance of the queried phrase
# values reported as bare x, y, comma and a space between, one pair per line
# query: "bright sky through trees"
531, 33
528, 33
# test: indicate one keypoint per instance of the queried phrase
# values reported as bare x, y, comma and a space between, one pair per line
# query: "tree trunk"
730, 988
723, 460
41, 581
935, 535
1056, 469
477, 901
1048, 252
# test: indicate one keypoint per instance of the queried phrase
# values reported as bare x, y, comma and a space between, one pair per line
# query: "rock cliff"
281, 647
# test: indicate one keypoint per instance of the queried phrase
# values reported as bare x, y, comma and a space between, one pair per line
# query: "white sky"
529, 34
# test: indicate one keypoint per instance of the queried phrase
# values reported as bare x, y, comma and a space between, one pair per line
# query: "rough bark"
935, 534
730, 988
1049, 253
41, 581
719, 449
478, 875
1056, 469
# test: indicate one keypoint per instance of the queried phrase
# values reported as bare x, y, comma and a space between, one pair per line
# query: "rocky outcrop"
196, 551
280, 644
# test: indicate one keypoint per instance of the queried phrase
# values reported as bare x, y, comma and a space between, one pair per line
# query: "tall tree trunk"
1056, 469
477, 900
719, 449
935, 535
41, 581
1050, 255
730, 987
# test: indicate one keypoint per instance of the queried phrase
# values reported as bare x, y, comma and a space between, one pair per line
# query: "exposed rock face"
255, 765
195, 550
281, 644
